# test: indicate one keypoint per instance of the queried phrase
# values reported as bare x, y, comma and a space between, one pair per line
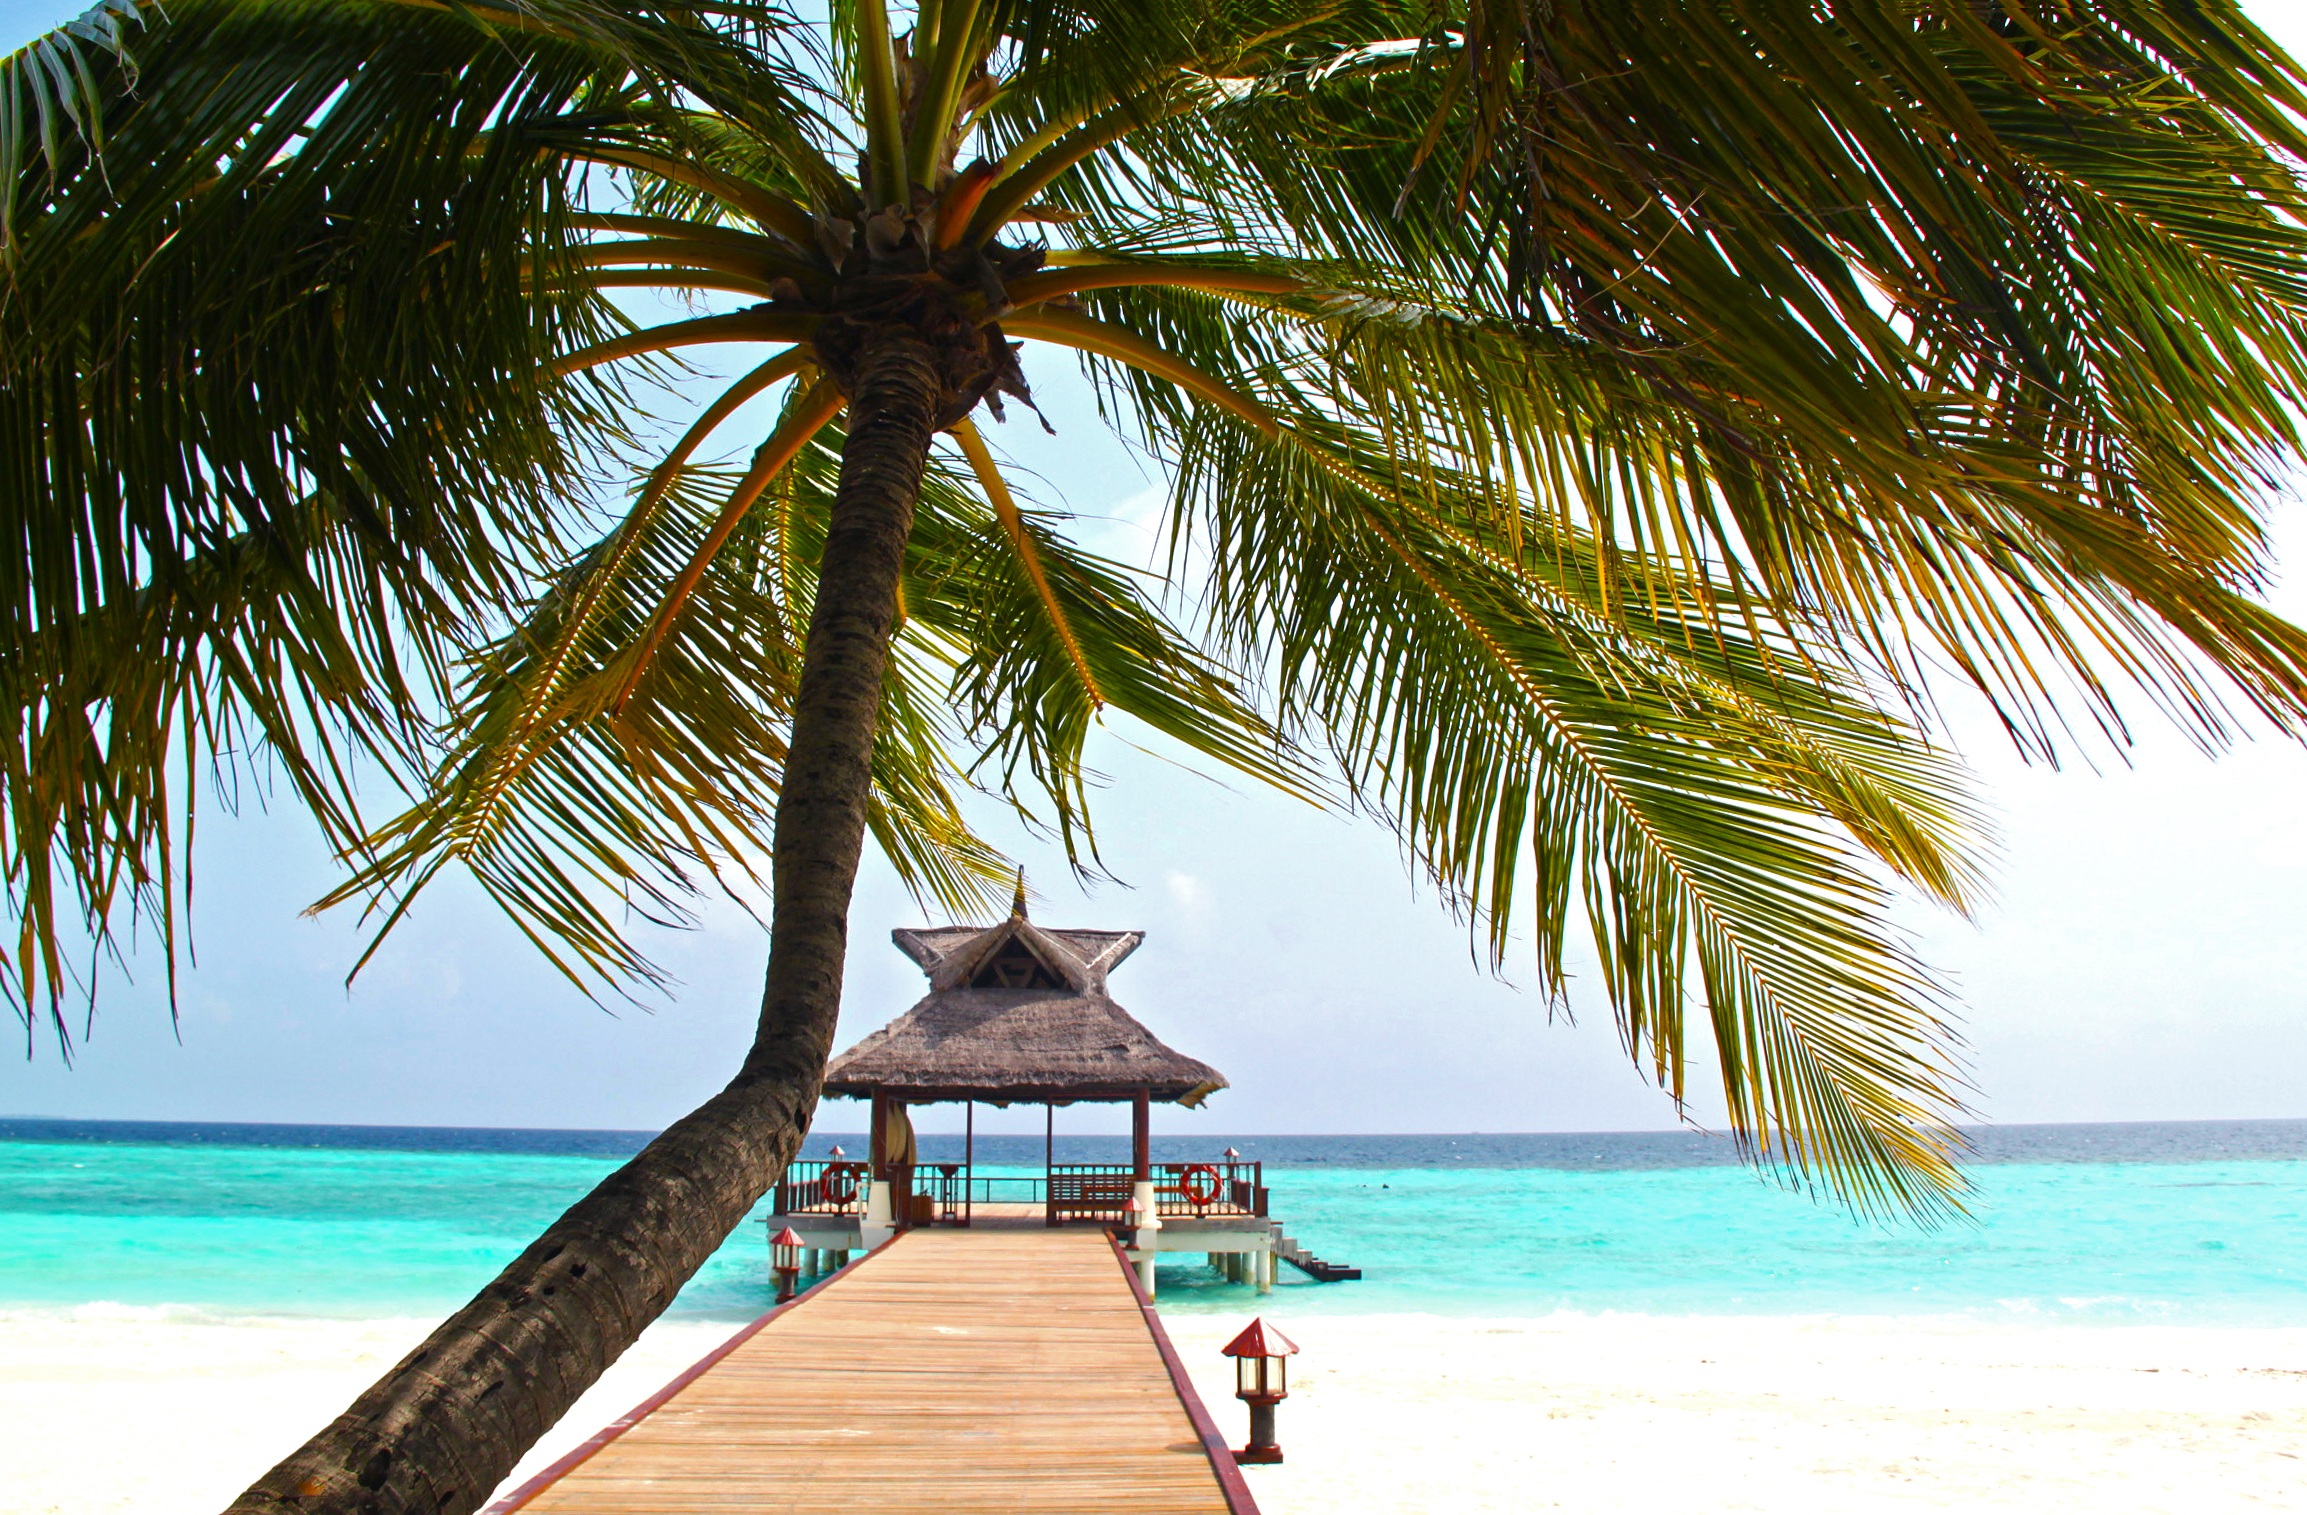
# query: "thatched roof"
1018, 1014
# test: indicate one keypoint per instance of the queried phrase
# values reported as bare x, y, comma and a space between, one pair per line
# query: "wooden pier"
987, 1371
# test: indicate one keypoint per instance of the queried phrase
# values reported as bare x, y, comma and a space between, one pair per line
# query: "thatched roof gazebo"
1018, 1015
1015, 1014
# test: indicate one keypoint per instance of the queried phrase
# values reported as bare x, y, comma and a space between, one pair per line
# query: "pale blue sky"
2143, 962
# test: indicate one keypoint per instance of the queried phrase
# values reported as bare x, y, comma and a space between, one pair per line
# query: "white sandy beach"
106, 1409
1616, 1415
109, 1408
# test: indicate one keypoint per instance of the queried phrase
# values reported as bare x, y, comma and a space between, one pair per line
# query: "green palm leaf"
571, 801
1759, 314
1696, 794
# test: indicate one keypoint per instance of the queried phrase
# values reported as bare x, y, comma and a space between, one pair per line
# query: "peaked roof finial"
1017, 905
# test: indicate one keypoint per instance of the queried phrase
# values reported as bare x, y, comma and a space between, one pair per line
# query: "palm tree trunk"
439, 1432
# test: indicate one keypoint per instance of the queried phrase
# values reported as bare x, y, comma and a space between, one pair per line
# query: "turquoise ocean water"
2199, 1223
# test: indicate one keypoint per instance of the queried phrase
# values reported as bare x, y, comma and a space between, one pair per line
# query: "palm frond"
590, 809
584, 783
1045, 638
1897, 317
51, 103
288, 294
1718, 806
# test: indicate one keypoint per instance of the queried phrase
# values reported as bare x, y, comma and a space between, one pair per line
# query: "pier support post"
880, 1218
1148, 1232
1262, 1264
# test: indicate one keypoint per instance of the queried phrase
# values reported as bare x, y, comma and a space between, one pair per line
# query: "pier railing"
1101, 1191
816, 1187
947, 1192
1089, 1191
990, 1189
1219, 1188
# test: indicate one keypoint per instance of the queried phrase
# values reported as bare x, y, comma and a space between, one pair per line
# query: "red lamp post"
1261, 1357
785, 1260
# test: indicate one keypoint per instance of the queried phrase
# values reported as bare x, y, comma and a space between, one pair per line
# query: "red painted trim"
655, 1402
1230, 1481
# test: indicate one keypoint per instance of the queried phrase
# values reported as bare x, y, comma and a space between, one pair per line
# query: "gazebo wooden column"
899, 1176
1143, 1192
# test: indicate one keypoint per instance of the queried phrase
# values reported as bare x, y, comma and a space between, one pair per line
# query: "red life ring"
840, 1184
1200, 1185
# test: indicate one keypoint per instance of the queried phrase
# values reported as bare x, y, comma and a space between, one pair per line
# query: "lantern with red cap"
1261, 1357
785, 1259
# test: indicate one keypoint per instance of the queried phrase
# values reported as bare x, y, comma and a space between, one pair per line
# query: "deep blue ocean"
2178, 1223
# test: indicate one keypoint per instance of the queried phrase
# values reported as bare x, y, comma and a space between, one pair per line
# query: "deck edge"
567, 1463
1239, 1500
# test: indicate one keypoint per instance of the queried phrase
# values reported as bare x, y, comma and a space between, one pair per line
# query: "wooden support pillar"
1049, 1160
882, 1218
888, 1111
968, 1160
1143, 1193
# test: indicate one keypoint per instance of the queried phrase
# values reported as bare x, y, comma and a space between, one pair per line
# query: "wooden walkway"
977, 1372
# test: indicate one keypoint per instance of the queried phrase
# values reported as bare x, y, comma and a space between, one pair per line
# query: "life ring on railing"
839, 1185
1199, 1185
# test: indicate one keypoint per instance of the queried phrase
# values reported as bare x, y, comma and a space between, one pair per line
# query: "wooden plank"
977, 1372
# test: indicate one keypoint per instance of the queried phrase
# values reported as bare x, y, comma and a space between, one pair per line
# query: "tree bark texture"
440, 1431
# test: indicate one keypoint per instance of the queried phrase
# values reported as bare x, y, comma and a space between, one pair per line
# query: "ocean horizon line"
2026, 1141
111, 1120
17, 1118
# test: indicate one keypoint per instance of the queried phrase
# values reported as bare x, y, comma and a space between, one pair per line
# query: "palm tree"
1594, 429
